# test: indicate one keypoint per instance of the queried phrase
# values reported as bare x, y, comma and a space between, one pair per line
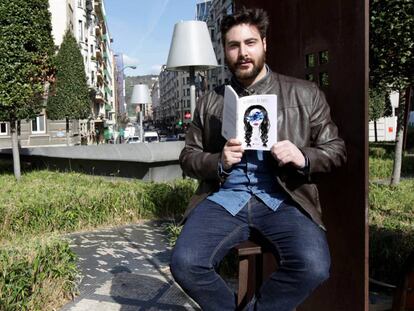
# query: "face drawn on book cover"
256, 126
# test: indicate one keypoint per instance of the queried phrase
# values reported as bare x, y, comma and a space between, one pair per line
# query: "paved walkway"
126, 269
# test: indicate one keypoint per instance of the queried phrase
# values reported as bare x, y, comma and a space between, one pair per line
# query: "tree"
391, 59
26, 50
69, 97
376, 107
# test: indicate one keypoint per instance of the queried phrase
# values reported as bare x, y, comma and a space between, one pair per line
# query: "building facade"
86, 19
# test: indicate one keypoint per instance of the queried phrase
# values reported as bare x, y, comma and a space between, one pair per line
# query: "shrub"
61, 202
391, 228
377, 152
36, 275
40, 275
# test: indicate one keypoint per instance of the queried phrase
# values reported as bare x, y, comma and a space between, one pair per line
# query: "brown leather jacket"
303, 118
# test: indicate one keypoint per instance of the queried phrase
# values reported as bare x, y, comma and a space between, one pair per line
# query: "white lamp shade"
140, 94
191, 47
394, 99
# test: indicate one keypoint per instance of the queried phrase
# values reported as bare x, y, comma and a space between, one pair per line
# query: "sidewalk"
125, 269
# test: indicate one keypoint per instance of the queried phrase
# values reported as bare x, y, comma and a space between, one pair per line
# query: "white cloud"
129, 60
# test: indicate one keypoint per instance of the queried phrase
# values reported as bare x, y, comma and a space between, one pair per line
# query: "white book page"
230, 111
257, 121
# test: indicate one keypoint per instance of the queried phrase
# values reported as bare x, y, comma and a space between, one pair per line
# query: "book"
251, 119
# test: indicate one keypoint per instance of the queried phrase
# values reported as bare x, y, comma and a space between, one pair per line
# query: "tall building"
120, 104
168, 84
86, 19
203, 10
217, 10
155, 99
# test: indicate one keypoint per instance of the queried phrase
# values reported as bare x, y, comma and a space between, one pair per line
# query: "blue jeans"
210, 232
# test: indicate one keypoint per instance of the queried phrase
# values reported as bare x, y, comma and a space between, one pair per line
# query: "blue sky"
142, 30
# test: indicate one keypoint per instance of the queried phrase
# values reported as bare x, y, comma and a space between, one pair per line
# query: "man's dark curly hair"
255, 17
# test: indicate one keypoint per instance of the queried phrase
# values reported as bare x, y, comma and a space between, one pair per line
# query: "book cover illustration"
251, 119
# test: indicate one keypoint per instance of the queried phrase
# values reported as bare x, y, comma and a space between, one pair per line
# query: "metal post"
141, 130
192, 90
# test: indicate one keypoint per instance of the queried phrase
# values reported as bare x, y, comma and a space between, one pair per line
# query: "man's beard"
250, 74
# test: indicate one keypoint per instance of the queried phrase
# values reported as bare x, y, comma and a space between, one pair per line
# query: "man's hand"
286, 152
232, 153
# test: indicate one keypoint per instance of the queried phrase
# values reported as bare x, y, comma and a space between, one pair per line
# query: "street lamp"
140, 96
191, 49
123, 85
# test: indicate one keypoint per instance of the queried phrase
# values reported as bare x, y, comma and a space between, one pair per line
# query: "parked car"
133, 140
171, 138
181, 136
151, 137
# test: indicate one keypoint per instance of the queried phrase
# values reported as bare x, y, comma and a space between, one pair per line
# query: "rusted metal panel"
327, 40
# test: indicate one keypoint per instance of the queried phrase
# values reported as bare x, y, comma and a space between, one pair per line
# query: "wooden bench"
256, 263
403, 299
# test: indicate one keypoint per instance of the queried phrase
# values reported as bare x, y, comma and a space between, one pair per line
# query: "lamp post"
140, 96
120, 78
191, 49
123, 86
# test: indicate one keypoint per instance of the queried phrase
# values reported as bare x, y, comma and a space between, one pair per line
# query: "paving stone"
126, 268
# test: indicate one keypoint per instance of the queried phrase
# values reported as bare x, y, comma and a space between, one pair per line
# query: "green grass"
45, 201
37, 267
391, 220
381, 160
36, 274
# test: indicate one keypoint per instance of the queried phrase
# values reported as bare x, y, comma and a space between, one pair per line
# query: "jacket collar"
260, 87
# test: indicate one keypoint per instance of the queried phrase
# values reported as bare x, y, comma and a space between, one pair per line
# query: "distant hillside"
130, 81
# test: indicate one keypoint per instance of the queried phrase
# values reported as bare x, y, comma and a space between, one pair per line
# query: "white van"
151, 137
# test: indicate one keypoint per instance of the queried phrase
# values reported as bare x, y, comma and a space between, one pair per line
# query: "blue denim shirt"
252, 176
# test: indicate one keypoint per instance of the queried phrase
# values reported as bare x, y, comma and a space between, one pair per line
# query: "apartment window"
80, 25
92, 48
3, 129
38, 124
80, 4
230, 10
92, 78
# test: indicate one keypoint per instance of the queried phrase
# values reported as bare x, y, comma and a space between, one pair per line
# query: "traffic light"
180, 123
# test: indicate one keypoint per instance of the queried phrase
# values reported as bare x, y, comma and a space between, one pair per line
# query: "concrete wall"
150, 162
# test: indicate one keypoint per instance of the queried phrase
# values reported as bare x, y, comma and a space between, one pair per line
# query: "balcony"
100, 77
98, 30
99, 98
98, 53
98, 8
108, 91
103, 26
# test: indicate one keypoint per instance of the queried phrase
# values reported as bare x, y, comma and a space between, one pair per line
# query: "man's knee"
316, 268
184, 265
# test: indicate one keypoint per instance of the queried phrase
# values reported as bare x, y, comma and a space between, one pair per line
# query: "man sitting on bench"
270, 191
